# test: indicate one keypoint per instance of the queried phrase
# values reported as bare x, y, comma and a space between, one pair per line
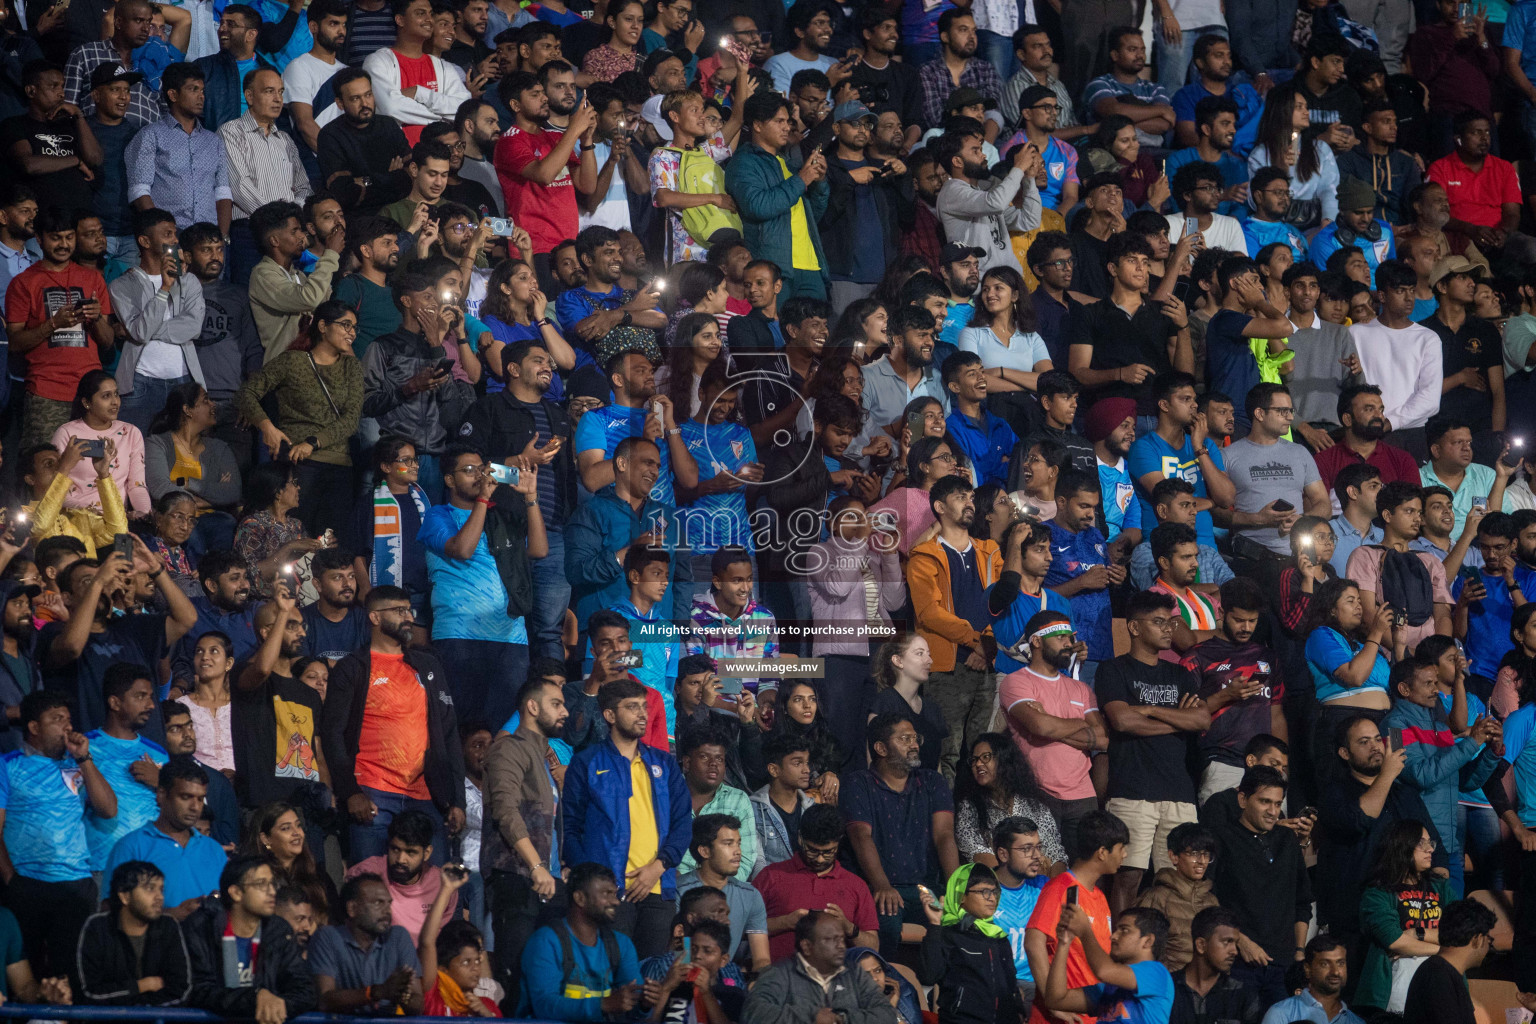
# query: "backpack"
698, 174
568, 955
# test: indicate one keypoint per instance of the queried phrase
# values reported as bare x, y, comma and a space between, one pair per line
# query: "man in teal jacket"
778, 209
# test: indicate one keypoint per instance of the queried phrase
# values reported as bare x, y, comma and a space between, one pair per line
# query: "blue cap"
852, 110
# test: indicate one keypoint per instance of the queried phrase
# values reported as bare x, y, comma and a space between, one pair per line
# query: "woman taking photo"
863, 330
969, 953
994, 783
319, 401
901, 668
515, 310
695, 345
179, 455
385, 525
1399, 915
838, 374
1309, 163
1312, 547
278, 835
1349, 667
1118, 149
1002, 332
621, 52
95, 418
268, 537
906, 509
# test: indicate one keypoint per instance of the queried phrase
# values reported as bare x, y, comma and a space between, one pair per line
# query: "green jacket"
730, 800
764, 197
1381, 924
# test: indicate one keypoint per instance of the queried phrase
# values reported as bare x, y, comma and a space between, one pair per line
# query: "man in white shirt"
1402, 358
1197, 187
307, 78
264, 165
409, 84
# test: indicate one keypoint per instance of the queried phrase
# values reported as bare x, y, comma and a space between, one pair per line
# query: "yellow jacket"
933, 600
95, 530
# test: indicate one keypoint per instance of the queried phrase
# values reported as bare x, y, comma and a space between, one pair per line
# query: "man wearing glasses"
1198, 190
1039, 114
1050, 259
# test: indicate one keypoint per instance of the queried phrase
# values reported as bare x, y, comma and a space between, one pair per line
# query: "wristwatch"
628, 319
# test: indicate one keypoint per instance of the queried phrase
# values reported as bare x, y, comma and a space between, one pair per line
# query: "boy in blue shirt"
1080, 569
986, 440
1132, 986
129, 762
654, 636
1021, 875
1179, 447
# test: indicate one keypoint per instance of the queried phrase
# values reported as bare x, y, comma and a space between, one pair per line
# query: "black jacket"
1228, 1002
1262, 877
499, 426
1346, 844
280, 967
341, 721
750, 334
842, 232
110, 971
364, 153
979, 983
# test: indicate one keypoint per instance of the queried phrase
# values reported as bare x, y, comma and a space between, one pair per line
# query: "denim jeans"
147, 398
123, 247
552, 595
998, 49
1480, 837
484, 677
364, 841
1173, 59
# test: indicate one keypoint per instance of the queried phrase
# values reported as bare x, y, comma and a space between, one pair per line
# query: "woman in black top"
901, 669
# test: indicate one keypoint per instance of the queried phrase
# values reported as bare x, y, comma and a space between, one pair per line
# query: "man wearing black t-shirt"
1438, 993
1474, 365
275, 717
51, 146
1151, 706
883, 82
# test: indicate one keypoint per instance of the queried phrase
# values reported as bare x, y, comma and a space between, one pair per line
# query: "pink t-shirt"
1364, 567
411, 902
1061, 769
907, 511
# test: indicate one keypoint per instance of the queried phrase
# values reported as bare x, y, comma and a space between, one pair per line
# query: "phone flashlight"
660, 284
1518, 442
725, 42
1305, 540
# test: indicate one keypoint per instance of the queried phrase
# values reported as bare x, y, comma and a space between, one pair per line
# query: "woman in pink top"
95, 416
621, 53
906, 510
1517, 672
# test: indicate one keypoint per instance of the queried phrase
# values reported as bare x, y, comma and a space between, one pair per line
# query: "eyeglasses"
471, 470
982, 758
986, 892
264, 885
461, 229
401, 609
1281, 410
346, 326
179, 517
1061, 264
1046, 106
1278, 193
411, 461
1427, 845
1207, 187
943, 457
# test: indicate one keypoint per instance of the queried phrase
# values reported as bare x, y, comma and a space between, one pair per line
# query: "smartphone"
1304, 540
1395, 739
122, 544
504, 474
171, 254
502, 226
94, 448
444, 366
629, 659
1191, 226
1470, 574
289, 574
455, 871
916, 423
687, 950
21, 527
1071, 895
1284, 506
1308, 812
1515, 443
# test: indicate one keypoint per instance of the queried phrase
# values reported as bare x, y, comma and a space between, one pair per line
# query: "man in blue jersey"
129, 762
1020, 877
1179, 448
1080, 570
637, 411
716, 515
1021, 593
45, 860
1133, 986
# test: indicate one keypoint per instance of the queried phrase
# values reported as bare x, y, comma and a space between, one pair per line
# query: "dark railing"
177, 1015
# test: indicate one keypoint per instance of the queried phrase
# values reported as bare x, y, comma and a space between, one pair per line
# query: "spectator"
608, 963
1356, 491
1360, 410
969, 949
1417, 591
333, 625
717, 859
189, 861
362, 140
47, 856
787, 990
1325, 965
957, 66
1439, 990
1291, 478
787, 759
224, 72
93, 417
229, 977
863, 197
999, 785
131, 29
1483, 192
1399, 356
1080, 570
812, 875
220, 804
1182, 893
609, 635
1308, 162
1150, 988
978, 211
309, 86
809, 25
1357, 225
407, 869
158, 973
1269, 200
180, 456
1039, 115
1034, 50
593, 312
1246, 312
348, 974
1393, 172
54, 148
1324, 364
263, 686
264, 165
1213, 65
1198, 188
193, 184
591, 814
414, 87
985, 439
1472, 386
1450, 465
701, 757
281, 294
1207, 985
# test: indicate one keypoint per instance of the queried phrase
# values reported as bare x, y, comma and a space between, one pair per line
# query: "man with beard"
957, 67
637, 412
129, 762
904, 373
307, 80
362, 154
604, 979
228, 347
479, 127
267, 702
1037, 60
220, 805
1205, 989
1039, 113
1176, 553
374, 241
19, 674
1055, 719
1325, 966
1361, 413
18, 249
131, 28
322, 215
391, 737
561, 95
1239, 685
1123, 91
51, 145
1354, 813
901, 825
368, 964
405, 865
978, 212
1213, 74
598, 315
334, 626
520, 851
223, 607
1429, 211
294, 906
1110, 427
960, 269
922, 233
156, 972
948, 576
470, 194
626, 807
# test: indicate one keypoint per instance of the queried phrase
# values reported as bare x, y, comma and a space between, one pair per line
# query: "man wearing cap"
1473, 387
51, 147
858, 229
1039, 114
1122, 90
112, 92
978, 212
1357, 225
957, 67
1111, 428
131, 24
19, 674
960, 270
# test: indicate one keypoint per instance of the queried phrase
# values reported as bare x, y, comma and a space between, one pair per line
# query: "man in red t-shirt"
540, 171
56, 316
1484, 191
1096, 851
409, 84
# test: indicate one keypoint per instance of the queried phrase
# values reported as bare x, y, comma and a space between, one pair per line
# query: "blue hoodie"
593, 538
1439, 764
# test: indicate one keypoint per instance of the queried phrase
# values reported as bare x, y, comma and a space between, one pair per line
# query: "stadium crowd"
814, 513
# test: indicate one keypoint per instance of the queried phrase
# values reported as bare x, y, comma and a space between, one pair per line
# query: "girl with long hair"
1399, 913
386, 523
1283, 143
901, 668
863, 330
213, 657
906, 509
515, 310
696, 343
1038, 471
996, 782
1312, 547
838, 374
94, 417
1515, 685
1002, 332
1350, 671
799, 714
620, 52
1140, 178
277, 835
